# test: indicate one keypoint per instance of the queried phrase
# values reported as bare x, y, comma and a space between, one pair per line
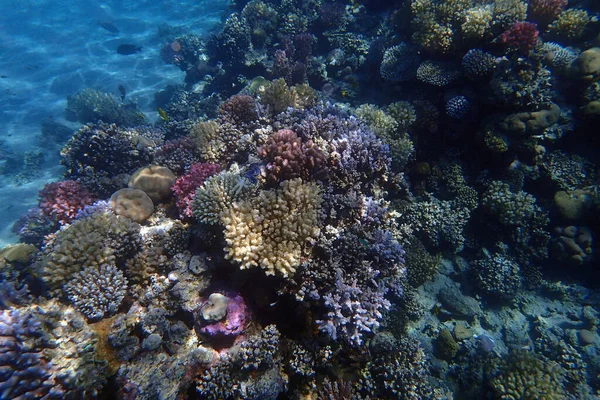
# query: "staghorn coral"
97, 291
353, 309
273, 229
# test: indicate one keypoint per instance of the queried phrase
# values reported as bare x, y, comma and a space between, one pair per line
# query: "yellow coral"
571, 23
272, 229
477, 22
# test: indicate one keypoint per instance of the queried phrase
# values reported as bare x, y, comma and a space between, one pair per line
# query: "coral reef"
272, 229
97, 291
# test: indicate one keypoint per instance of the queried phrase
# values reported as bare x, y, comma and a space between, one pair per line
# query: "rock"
215, 308
587, 65
132, 203
592, 109
445, 347
573, 205
586, 337
462, 332
531, 122
18, 253
155, 181
152, 342
461, 306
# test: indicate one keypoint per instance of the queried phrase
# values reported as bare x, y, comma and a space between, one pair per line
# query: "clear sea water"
52, 49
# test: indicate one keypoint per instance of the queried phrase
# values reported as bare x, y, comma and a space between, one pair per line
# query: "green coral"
102, 238
217, 194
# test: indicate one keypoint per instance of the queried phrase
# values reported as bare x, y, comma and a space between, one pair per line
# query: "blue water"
52, 49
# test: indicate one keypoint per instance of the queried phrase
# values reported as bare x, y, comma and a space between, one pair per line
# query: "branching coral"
523, 375
97, 154
92, 241
273, 229
185, 186
97, 291
217, 194
62, 200
288, 157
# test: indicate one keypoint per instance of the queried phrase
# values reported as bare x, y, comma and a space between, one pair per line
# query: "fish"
127, 49
122, 91
163, 114
109, 26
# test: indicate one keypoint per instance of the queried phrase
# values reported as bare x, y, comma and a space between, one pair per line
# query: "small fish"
109, 26
3, 76
127, 49
163, 114
122, 91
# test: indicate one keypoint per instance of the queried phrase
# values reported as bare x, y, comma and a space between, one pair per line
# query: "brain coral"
272, 229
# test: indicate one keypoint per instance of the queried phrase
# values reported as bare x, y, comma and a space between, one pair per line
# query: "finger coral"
273, 229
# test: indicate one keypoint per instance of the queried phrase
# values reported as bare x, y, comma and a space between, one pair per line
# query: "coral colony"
342, 200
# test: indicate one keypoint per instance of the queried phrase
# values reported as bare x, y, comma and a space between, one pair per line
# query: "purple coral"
354, 309
26, 373
234, 322
239, 109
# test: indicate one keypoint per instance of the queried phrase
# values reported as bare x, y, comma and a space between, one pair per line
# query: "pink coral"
288, 157
234, 322
62, 200
522, 36
545, 11
185, 186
